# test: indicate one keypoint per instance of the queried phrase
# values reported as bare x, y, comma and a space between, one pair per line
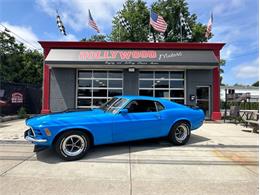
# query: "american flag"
209, 26
92, 23
157, 22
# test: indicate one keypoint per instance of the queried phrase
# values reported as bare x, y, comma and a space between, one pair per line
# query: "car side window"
136, 106
159, 106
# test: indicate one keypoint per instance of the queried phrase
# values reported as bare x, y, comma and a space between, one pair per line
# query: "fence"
13, 96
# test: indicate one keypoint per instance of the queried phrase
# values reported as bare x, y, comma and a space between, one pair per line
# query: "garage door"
95, 87
163, 84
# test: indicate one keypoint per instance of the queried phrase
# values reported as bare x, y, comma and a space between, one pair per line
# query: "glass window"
115, 83
99, 102
161, 84
84, 92
146, 75
177, 93
115, 74
114, 92
146, 84
85, 74
165, 84
162, 93
146, 92
84, 102
162, 75
100, 83
159, 106
101, 86
85, 83
99, 93
141, 106
100, 74
177, 75
177, 84
117, 105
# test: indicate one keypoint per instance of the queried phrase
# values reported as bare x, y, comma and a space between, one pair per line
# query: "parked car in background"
123, 118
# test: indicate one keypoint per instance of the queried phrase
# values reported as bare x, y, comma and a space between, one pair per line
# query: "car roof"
133, 97
167, 103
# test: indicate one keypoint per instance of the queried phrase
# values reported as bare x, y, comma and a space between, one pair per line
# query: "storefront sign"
131, 57
128, 55
17, 98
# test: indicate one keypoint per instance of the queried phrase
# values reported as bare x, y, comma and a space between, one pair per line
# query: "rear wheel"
72, 145
180, 133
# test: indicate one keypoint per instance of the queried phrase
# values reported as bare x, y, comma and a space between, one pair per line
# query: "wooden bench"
254, 124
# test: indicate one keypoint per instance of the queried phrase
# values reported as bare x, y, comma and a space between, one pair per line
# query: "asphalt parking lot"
219, 159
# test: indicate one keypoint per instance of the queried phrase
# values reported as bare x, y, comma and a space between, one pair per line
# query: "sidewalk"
219, 159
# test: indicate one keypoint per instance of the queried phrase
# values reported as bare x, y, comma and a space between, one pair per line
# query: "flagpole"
119, 32
149, 24
180, 24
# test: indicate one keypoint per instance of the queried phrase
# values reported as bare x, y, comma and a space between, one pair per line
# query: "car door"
141, 121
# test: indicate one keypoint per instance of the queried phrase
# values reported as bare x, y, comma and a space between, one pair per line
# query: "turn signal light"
47, 131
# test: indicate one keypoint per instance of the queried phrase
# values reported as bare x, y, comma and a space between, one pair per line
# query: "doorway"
203, 99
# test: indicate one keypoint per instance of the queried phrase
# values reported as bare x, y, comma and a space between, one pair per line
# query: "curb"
9, 118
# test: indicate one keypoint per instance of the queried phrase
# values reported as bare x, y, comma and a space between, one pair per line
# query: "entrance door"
203, 99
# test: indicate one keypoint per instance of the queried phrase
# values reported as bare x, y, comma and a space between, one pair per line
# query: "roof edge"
129, 45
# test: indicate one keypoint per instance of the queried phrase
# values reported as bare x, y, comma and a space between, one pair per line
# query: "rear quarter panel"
173, 115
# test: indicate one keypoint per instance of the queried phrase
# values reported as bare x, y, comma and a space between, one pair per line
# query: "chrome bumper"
29, 138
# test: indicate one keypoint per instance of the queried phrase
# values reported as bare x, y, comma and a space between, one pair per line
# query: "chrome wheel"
73, 145
181, 132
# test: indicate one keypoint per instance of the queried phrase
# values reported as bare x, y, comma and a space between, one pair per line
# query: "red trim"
46, 86
216, 115
131, 45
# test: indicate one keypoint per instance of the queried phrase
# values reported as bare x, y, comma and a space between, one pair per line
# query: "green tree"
256, 84
170, 10
18, 64
221, 70
137, 14
96, 38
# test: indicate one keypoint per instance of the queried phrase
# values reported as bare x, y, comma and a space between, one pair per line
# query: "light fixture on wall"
131, 69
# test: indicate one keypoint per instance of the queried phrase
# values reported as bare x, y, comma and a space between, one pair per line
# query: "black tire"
174, 135
62, 145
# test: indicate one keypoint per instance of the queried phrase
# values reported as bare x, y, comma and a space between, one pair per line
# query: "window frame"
169, 79
92, 88
154, 102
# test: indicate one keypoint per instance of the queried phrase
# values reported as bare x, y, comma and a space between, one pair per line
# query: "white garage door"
164, 84
95, 87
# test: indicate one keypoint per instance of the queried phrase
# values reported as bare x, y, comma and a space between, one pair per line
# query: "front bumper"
30, 137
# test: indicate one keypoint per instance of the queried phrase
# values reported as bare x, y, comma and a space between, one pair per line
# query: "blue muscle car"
123, 118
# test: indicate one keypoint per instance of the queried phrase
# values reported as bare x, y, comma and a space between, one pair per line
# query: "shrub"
22, 112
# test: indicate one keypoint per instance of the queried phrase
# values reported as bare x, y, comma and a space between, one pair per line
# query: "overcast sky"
235, 23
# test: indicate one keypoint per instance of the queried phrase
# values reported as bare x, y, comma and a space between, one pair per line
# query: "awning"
136, 58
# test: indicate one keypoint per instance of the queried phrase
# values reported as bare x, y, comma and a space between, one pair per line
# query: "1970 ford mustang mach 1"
123, 118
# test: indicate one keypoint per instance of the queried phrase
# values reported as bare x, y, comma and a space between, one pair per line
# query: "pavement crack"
130, 169
4, 173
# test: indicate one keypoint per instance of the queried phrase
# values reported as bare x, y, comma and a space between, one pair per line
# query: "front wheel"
72, 145
180, 133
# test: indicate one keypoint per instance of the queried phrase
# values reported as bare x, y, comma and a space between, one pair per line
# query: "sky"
235, 24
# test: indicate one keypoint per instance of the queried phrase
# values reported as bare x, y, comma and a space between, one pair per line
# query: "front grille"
37, 132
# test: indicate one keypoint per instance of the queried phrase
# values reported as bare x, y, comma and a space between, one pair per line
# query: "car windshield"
113, 105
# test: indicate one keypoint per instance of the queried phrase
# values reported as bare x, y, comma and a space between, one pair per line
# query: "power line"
8, 30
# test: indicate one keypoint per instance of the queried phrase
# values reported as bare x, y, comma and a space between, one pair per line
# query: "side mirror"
124, 111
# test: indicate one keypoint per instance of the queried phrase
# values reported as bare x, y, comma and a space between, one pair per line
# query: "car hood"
64, 117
